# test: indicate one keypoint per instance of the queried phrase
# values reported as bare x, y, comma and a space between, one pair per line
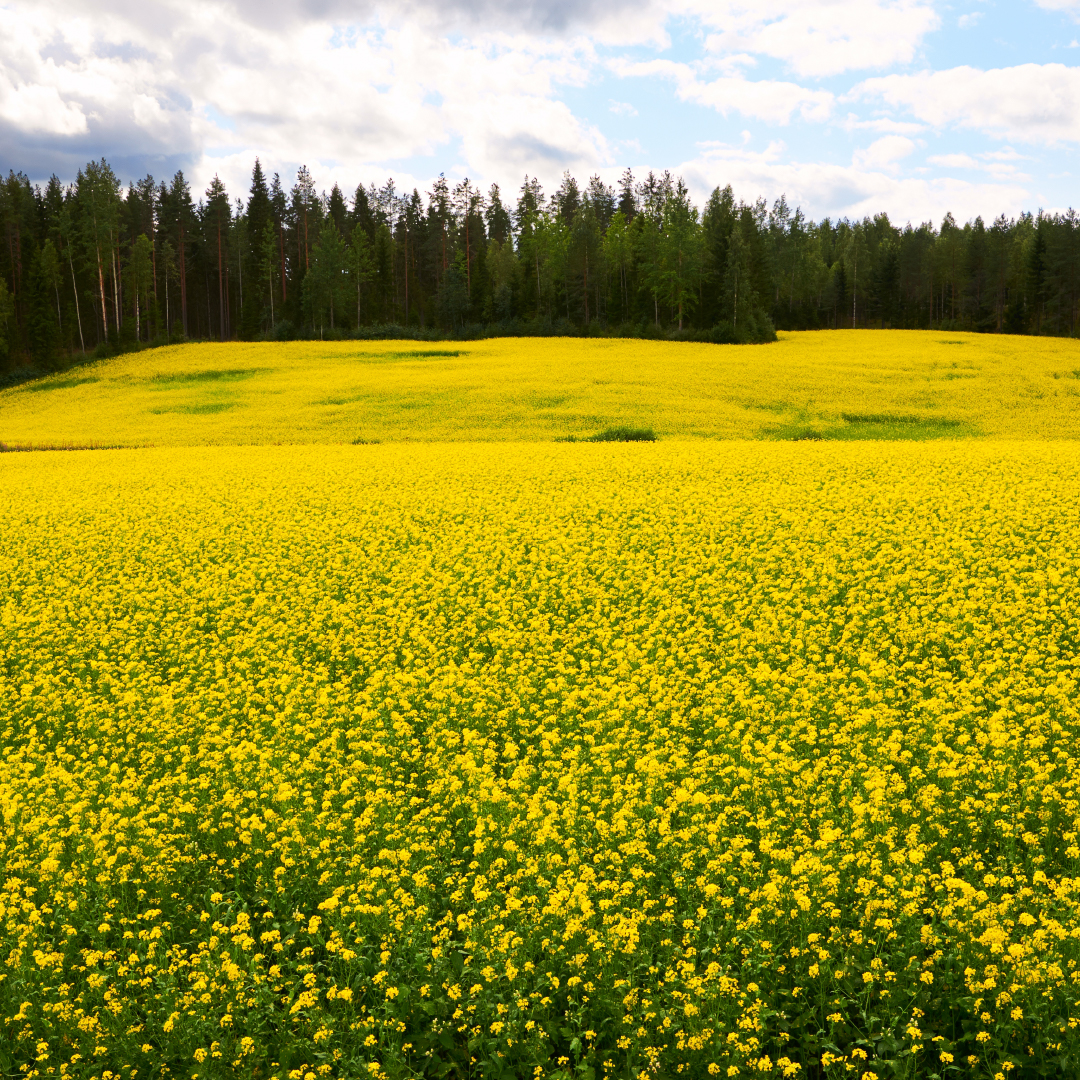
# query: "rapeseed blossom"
846, 384
711, 759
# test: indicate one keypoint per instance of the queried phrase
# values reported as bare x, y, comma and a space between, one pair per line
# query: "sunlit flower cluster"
711, 759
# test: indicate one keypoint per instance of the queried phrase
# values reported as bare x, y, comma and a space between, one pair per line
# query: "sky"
847, 107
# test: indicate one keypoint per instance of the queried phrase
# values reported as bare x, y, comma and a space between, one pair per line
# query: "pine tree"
326, 283
361, 213
141, 275
7, 320
257, 217
182, 213
526, 215
219, 213
717, 223
337, 211
42, 324
680, 252
304, 211
627, 198
497, 217
361, 265
567, 199
98, 190
740, 297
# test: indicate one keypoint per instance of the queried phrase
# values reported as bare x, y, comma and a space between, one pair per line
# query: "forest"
94, 267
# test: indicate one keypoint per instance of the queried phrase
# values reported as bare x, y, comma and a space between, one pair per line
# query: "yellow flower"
560, 730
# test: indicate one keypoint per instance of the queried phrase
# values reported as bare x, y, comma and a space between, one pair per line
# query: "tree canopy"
94, 264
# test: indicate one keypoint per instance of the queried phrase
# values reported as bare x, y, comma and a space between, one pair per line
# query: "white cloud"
40, 108
999, 165
954, 161
883, 125
852, 191
147, 111
344, 103
353, 86
970, 19
884, 153
821, 37
764, 99
359, 88
1028, 103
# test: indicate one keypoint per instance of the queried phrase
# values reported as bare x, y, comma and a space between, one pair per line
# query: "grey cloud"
547, 16
59, 52
527, 149
111, 131
555, 16
40, 156
124, 50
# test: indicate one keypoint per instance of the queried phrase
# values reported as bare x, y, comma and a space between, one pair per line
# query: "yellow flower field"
518, 760
848, 384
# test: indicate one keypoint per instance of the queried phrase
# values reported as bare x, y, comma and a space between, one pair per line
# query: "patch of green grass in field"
183, 379
873, 426
198, 408
407, 354
58, 384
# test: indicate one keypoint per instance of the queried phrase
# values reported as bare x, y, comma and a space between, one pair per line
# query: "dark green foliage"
165, 382
258, 225
43, 329
879, 426
615, 434
58, 384
624, 434
198, 409
94, 268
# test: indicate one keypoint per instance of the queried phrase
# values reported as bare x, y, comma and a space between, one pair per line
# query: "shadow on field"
201, 408
872, 426
615, 434
187, 378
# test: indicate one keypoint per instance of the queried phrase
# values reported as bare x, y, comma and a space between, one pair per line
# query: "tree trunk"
118, 280
101, 290
585, 288
75, 290
281, 245
854, 287
183, 286
220, 283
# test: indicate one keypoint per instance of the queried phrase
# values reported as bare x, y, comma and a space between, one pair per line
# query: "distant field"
832, 384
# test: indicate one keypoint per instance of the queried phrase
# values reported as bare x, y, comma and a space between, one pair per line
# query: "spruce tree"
258, 215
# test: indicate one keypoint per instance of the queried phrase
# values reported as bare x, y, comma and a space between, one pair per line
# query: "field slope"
835, 385
450, 760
